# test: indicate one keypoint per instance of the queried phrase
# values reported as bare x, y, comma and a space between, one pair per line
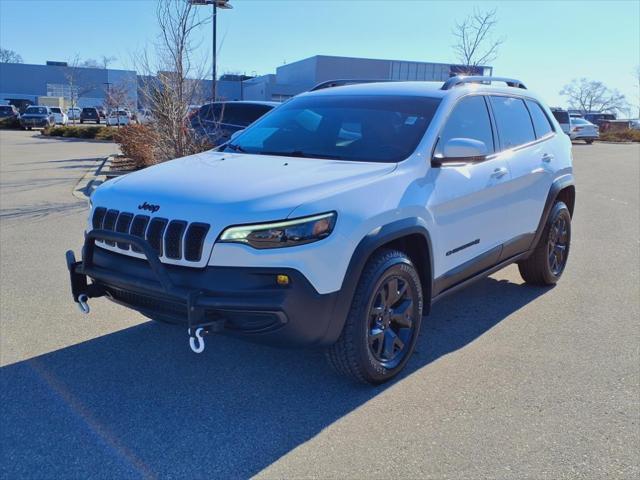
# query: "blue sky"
547, 42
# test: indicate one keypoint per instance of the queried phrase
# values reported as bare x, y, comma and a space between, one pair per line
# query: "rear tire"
588, 142
549, 258
382, 326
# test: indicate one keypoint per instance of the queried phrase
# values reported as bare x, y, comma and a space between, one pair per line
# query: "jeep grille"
174, 239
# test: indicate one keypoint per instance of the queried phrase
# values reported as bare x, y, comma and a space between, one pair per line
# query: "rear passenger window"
513, 120
541, 123
469, 119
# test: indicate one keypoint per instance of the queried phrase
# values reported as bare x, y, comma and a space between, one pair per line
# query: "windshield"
5, 109
37, 110
358, 128
56, 110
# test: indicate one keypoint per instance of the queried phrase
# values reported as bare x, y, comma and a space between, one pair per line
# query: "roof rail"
340, 83
460, 80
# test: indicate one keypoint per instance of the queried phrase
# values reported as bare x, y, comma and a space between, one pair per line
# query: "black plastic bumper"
34, 123
236, 300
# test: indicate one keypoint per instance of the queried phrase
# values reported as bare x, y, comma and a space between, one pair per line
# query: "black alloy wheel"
547, 261
558, 245
391, 322
383, 323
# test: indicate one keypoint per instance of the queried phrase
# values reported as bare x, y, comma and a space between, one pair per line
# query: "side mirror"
235, 134
461, 150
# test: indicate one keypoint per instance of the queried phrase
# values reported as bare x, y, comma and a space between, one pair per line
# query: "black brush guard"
162, 286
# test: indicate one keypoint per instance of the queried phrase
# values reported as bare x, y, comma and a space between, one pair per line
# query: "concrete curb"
91, 180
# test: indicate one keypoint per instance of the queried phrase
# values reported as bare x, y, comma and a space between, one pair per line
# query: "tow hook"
196, 342
83, 303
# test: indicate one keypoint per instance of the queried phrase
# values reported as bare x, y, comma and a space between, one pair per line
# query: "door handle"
499, 172
547, 158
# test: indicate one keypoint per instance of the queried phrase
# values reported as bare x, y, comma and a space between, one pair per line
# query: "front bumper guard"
82, 290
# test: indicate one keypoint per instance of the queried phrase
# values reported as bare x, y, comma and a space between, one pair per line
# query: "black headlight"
286, 233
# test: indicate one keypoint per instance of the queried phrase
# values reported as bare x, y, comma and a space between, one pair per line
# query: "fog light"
282, 279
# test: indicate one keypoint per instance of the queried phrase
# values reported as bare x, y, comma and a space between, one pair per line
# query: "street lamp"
223, 4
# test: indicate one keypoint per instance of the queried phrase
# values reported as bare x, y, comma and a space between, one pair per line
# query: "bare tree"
9, 56
103, 62
75, 85
117, 98
172, 82
475, 43
89, 63
593, 96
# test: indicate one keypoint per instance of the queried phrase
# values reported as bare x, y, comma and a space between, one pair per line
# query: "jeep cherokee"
339, 218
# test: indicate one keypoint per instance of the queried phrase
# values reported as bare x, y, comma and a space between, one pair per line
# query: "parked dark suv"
89, 114
37, 116
599, 118
9, 111
218, 121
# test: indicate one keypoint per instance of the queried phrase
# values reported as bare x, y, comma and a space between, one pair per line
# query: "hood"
229, 189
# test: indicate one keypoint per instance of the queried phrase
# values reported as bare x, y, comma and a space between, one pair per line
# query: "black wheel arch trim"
559, 184
375, 239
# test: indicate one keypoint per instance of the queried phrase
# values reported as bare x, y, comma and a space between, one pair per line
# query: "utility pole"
215, 4
108, 99
214, 19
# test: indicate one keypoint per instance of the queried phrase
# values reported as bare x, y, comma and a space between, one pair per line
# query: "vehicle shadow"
138, 403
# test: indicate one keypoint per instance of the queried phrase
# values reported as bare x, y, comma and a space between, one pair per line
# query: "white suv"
338, 218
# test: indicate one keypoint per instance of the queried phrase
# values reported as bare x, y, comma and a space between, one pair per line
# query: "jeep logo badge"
150, 207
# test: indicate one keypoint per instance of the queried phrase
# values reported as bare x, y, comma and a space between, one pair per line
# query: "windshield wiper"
235, 148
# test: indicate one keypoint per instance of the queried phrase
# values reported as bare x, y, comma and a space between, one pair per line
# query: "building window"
395, 71
61, 90
412, 71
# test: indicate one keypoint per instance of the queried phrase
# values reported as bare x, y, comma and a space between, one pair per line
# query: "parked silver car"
582, 129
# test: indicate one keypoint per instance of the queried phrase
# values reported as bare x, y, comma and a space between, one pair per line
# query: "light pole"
107, 102
215, 4
108, 89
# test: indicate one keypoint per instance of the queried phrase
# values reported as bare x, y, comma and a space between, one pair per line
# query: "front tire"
588, 142
382, 327
549, 258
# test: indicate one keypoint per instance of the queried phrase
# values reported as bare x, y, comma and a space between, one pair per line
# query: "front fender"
374, 240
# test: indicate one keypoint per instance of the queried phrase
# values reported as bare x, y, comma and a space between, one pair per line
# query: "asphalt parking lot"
509, 381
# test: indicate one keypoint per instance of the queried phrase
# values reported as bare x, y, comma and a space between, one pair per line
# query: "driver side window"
469, 119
